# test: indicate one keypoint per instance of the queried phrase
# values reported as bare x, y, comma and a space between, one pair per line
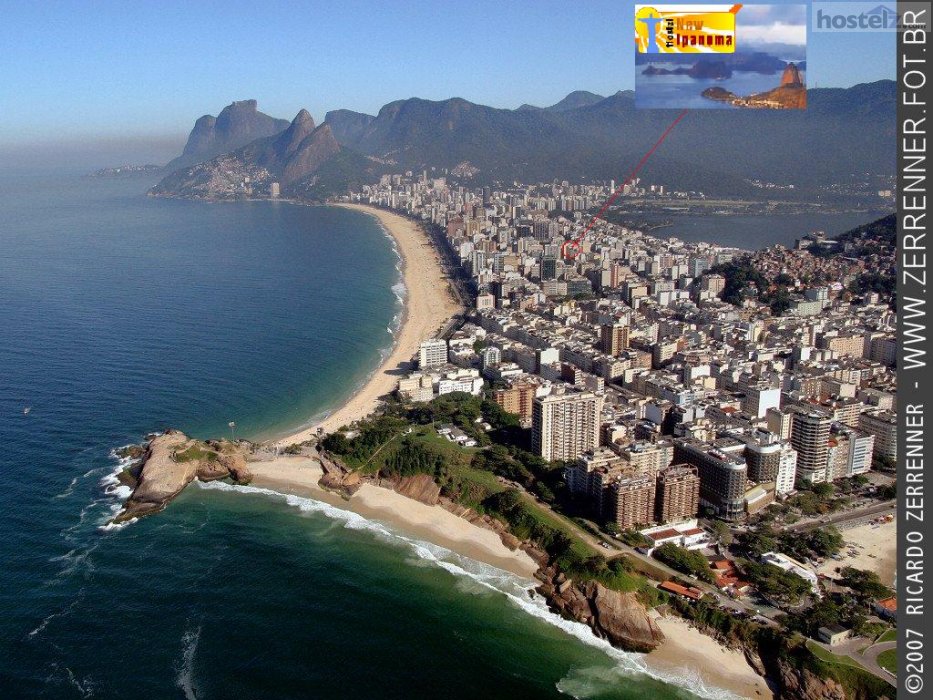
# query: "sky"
117, 73
773, 24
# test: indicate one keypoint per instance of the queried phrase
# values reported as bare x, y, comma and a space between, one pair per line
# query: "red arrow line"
571, 249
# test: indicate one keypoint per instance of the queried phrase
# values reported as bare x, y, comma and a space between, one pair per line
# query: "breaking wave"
476, 577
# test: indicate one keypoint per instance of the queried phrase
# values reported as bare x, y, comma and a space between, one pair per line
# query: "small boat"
27, 410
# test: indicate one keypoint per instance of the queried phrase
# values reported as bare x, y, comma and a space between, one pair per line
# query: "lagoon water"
121, 315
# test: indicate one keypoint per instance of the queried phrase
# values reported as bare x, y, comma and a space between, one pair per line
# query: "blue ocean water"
120, 315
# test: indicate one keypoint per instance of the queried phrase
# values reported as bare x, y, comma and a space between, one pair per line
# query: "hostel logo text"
685, 28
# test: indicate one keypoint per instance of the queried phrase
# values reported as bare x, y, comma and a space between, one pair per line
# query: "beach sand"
878, 551
405, 516
686, 651
429, 304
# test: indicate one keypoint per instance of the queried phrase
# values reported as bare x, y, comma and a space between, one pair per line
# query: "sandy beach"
300, 475
875, 547
429, 303
688, 652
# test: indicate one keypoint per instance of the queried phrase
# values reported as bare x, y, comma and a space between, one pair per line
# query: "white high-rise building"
861, 447
787, 471
883, 425
810, 437
759, 397
491, 356
432, 353
564, 426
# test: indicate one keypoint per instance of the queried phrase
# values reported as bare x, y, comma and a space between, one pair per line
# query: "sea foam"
184, 680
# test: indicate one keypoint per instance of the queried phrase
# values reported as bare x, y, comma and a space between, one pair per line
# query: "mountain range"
842, 136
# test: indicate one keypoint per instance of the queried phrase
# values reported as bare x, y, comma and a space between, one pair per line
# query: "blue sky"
128, 70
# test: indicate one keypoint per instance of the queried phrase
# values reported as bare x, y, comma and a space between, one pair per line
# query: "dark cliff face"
202, 136
313, 151
237, 124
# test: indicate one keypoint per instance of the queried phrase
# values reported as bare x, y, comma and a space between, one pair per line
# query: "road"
847, 518
867, 659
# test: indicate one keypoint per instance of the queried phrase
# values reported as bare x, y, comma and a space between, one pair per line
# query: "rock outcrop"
161, 477
237, 124
170, 462
420, 487
618, 617
791, 76
337, 477
803, 684
290, 157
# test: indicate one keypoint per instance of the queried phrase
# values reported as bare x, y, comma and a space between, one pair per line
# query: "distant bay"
753, 232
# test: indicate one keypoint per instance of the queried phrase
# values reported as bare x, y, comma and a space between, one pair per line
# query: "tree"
775, 583
887, 492
722, 532
825, 541
757, 543
685, 560
865, 583
336, 443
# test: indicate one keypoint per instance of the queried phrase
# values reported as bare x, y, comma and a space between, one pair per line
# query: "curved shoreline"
421, 317
683, 660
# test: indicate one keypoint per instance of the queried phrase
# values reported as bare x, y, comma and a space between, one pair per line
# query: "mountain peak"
238, 124
303, 117
290, 139
791, 76
577, 98
244, 105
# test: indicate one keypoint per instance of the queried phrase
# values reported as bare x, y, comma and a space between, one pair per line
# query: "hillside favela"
455, 400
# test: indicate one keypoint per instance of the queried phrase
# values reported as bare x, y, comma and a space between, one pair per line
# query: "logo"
685, 28
868, 16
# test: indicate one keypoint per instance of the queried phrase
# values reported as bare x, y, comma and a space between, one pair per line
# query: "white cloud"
777, 33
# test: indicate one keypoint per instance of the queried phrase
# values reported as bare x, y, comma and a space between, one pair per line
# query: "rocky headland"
618, 617
171, 461
790, 94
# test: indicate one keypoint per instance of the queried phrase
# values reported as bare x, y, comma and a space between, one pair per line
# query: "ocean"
121, 315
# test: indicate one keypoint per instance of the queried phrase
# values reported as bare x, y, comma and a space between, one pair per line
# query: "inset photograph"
721, 56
